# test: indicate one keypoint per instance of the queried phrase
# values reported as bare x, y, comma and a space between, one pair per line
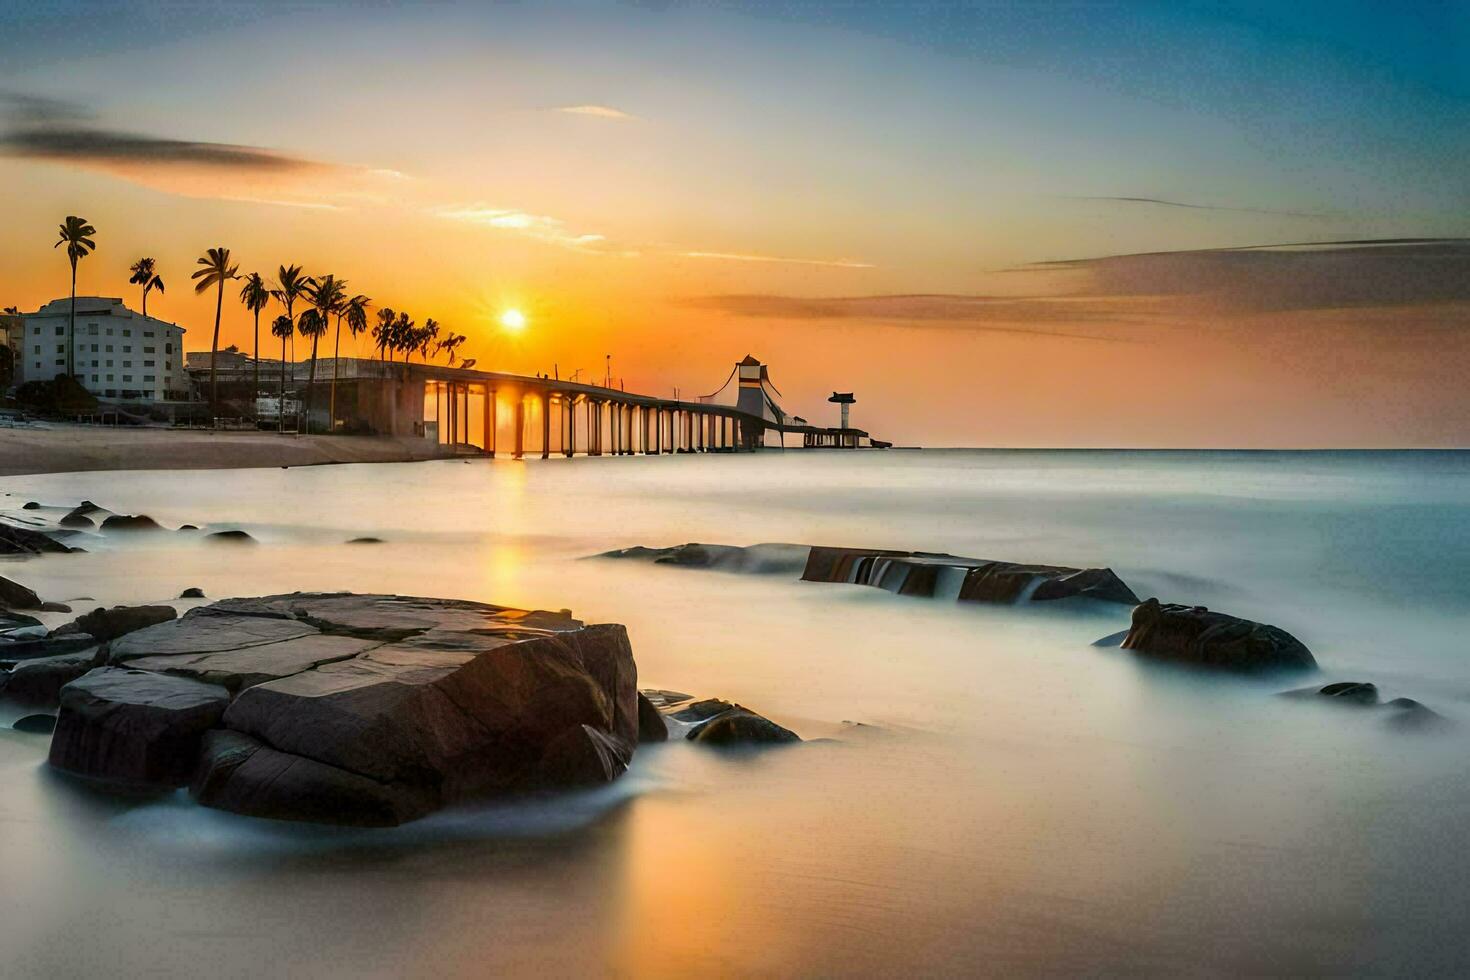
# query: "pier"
487, 412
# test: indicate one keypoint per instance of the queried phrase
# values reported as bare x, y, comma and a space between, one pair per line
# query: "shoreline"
69, 448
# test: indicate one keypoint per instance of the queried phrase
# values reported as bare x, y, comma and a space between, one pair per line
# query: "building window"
168, 348
94, 362
109, 348
127, 377
92, 329
168, 365
127, 364
94, 378
148, 333
109, 331
61, 362
60, 331
127, 332
35, 331
94, 348
61, 348
38, 348
148, 364
148, 378
149, 350
109, 378
109, 364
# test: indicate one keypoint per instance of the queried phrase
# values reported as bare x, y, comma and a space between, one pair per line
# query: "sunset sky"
1000, 224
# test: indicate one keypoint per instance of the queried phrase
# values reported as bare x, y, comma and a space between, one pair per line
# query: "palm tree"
283, 328
76, 235
339, 310
144, 275
216, 271
426, 338
403, 334
383, 332
256, 297
326, 295
450, 345
291, 285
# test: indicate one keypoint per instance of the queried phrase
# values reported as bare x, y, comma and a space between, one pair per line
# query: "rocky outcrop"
35, 724
193, 592
19, 651
13, 595
230, 537
356, 709
109, 624
26, 542
134, 727
1199, 637
756, 559
966, 579
651, 726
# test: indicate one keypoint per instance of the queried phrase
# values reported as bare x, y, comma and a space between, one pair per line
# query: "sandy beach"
79, 448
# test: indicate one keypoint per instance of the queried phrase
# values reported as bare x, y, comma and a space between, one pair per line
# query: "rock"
1355, 691
967, 579
1402, 714
109, 624
665, 699
193, 592
77, 521
1112, 639
55, 607
651, 727
12, 621
135, 727
1194, 635
86, 509
365, 540
582, 756
230, 537
240, 774
13, 595
36, 724
205, 631
1406, 714
30, 505
717, 722
250, 665
17, 651
130, 522
23, 541
188, 527
39, 681
758, 559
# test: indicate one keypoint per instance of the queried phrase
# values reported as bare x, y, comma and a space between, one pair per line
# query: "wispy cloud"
598, 111
744, 257
1194, 207
84, 145
553, 231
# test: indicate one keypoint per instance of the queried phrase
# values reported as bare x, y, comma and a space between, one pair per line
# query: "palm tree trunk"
71, 328
311, 384
336, 357
281, 408
145, 301
255, 391
219, 305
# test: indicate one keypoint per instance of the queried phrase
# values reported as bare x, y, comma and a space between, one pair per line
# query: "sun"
513, 320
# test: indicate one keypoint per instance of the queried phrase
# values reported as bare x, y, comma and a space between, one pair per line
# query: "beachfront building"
117, 353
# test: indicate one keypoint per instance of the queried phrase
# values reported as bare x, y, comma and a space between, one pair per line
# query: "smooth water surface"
1016, 801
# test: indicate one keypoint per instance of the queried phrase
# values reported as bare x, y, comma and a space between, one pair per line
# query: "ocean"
1015, 800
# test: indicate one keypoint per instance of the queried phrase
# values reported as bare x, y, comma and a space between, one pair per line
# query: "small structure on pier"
843, 398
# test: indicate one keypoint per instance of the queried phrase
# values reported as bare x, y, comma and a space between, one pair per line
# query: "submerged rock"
24, 541
130, 522
35, 724
80, 521
109, 624
133, 726
756, 559
716, 722
30, 505
13, 595
192, 593
1403, 714
1197, 636
17, 651
368, 539
234, 536
967, 579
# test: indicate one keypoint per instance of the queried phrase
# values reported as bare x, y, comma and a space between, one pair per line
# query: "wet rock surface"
27, 542
722, 723
1403, 714
38, 682
1200, 637
966, 579
13, 595
230, 537
130, 522
35, 724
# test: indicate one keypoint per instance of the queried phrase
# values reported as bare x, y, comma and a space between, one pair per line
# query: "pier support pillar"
545, 426
520, 440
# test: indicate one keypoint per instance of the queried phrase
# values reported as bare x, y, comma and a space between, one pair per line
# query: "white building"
118, 353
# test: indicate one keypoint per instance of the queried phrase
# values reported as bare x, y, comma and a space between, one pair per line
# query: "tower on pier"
843, 398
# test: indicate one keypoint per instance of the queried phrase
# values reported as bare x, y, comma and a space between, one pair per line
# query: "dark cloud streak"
1195, 207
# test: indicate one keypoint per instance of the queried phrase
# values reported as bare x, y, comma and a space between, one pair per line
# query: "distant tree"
77, 236
144, 275
426, 339
256, 297
383, 332
283, 328
291, 285
326, 295
217, 270
404, 333
450, 346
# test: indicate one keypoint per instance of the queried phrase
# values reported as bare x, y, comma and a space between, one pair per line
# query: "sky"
1008, 224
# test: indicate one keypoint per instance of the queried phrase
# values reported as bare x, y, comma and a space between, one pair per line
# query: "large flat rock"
133, 726
257, 664
205, 631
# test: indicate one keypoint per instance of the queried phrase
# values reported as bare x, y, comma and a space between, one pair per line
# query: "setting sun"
513, 320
